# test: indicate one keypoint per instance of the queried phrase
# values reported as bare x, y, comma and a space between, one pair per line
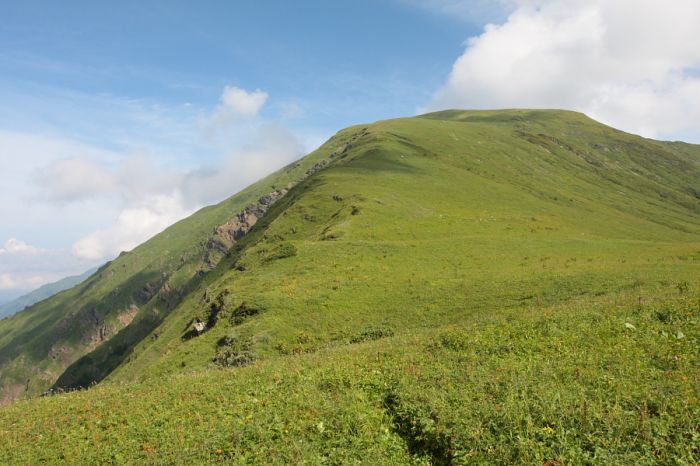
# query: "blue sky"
119, 118
342, 61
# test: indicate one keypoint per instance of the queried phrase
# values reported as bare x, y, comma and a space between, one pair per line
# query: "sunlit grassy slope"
463, 287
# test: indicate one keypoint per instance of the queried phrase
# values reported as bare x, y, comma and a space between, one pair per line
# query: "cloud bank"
132, 191
154, 197
633, 64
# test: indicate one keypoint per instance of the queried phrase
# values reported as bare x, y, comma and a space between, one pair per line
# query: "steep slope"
41, 293
462, 287
128, 297
431, 217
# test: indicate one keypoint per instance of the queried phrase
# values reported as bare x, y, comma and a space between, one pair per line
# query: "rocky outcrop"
226, 235
238, 226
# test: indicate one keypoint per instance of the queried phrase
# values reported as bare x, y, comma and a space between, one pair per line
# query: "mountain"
8, 295
127, 297
41, 293
515, 286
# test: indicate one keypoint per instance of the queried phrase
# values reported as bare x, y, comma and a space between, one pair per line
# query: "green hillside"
125, 299
509, 287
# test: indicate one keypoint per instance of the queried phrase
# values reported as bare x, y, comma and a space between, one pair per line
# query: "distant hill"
462, 287
8, 295
41, 293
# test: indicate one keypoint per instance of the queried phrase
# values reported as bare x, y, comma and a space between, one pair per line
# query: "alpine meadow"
460, 287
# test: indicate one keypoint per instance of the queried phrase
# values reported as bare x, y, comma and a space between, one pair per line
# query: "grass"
460, 288
569, 383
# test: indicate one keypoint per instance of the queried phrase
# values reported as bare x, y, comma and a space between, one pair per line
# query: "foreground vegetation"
461, 288
593, 381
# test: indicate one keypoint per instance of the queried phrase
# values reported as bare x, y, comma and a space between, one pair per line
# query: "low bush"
282, 251
234, 351
372, 333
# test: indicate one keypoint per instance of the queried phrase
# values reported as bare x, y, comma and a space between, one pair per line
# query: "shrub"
454, 340
242, 312
282, 251
372, 333
233, 351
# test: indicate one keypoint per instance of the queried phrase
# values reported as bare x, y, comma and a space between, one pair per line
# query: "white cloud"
7, 282
629, 63
78, 179
15, 246
155, 197
135, 224
273, 147
13, 282
241, 102
132, 190
85, 202
73, 179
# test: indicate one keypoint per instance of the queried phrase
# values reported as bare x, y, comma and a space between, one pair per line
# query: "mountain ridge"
438, 287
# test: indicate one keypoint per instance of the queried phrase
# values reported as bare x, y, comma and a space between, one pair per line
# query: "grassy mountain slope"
462, 287
41, 293
124, 300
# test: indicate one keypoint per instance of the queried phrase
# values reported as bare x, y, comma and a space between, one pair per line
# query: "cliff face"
227, 234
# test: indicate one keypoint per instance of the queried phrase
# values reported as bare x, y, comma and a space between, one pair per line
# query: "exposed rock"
200, 327
126, 317
58, 352
147, 292
226, 235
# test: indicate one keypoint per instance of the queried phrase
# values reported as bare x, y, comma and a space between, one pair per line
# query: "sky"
119, 118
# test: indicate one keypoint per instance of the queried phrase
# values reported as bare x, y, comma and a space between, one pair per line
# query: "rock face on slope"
227, 234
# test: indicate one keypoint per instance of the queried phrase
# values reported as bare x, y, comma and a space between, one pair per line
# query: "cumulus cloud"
273, 147
134, 224
154, 197
236, 107
629, 63
23, 281
78, 179
74, 179
241, 102
15, 246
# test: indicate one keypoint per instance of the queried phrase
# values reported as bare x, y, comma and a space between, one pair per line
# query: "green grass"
464, 287
570, 383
